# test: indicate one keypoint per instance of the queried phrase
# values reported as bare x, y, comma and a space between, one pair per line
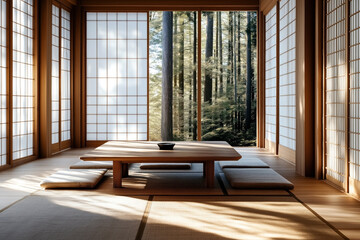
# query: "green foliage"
224, 118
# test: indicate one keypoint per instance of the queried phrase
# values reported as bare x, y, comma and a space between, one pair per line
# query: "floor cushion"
165, 166
74, 178
92, 165
244, 163
256, 178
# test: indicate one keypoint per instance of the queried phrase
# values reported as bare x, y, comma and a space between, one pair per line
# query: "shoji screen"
65, 75
3, 84
23, 79
60, 81
116, 76
270, 76
287, 77
55, 76
335, 91
354, 126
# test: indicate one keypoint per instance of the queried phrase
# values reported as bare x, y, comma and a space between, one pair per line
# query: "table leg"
204, 169
210, 173
125, 169
117, 174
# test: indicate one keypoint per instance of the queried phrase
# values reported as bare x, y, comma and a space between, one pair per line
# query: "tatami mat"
233, 218
73, 217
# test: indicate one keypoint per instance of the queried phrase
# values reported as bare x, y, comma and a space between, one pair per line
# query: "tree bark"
221, 88
194, 79
181, 78
167, 74
235, 73
250, 73
208, 55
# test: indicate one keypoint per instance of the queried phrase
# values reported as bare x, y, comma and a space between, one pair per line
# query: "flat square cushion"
92, 165
256, 178
165, 166
244, 163
74, 178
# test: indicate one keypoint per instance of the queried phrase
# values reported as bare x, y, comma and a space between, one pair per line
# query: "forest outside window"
117, 80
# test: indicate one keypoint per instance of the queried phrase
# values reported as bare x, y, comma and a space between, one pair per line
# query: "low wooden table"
122, 153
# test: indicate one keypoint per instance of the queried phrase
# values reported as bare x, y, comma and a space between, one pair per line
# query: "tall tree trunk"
167, 74
217, 55
194, 79
221, 90
208, 55
181, 78
239, 71
235, 73
175, 71
250, 73
230, 53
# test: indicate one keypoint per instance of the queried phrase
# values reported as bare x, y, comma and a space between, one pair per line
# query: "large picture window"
116, 62
23, 79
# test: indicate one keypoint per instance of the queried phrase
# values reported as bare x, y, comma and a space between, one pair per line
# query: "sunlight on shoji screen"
65, 75
55, 101
287, 87
3, 85
335, 89
270, 75
23, 79
116, 76
354, 127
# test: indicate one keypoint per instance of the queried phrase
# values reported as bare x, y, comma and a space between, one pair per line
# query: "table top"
148, 151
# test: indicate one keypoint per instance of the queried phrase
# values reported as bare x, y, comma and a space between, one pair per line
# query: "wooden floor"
173, 205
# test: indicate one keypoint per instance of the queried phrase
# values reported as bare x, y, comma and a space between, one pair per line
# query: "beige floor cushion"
244, 163
256, 178
74, 178
165, 166
92, 165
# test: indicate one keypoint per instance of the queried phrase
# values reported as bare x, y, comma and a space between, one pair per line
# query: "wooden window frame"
20, 161
93, 7
62, 145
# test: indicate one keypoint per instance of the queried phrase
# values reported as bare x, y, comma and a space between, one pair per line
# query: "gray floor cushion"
256, 178
165, 166
92, 165
74, 178
244, 163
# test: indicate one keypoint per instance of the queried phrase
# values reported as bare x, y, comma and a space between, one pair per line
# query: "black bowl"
166, 146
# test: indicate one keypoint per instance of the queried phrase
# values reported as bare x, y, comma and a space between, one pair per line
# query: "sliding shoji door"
23, 79
116, 79
354, 126
335, 92
3, 84
270, 79
287, 79
60, 79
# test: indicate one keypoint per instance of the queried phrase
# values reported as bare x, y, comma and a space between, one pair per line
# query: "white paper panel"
354, 127
287, 83
335, 89
65, 76
55, 100
3, 84
23, 79
116, 78
270, 75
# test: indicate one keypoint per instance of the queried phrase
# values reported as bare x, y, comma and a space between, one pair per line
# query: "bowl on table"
166, 146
